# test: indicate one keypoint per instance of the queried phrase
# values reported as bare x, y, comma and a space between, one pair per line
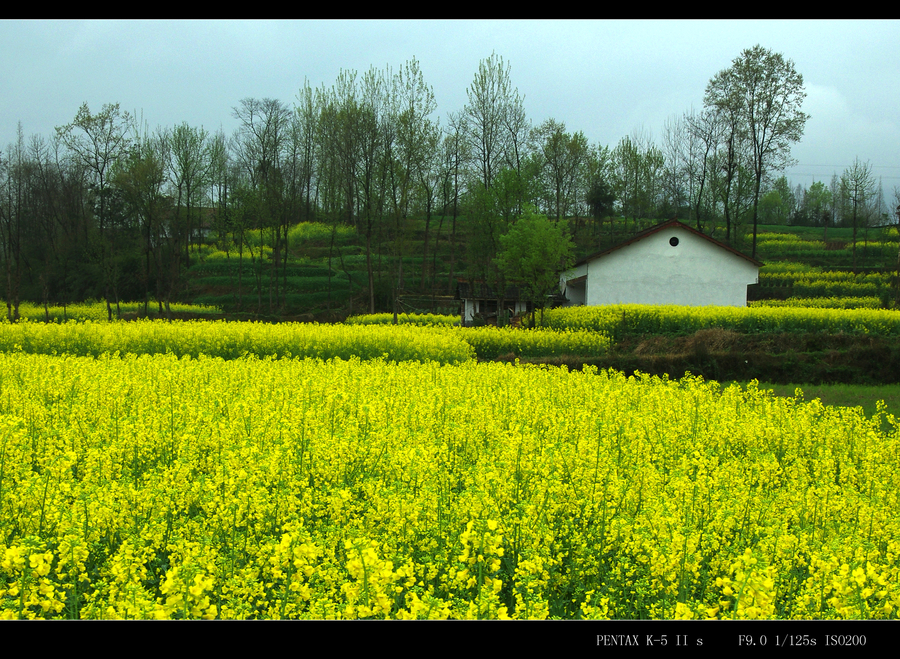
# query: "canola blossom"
233, 340
493, 342
618, 319
420, 319
153, 486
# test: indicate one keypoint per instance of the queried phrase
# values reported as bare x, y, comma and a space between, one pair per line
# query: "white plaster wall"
470, 308
696, 272
574, 294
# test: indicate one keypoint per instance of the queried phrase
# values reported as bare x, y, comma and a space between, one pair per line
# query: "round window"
673, 241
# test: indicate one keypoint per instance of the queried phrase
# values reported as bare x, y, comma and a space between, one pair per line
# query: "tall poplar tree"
857, 187
765, 92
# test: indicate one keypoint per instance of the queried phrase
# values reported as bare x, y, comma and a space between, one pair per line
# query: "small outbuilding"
670, 263
481, 300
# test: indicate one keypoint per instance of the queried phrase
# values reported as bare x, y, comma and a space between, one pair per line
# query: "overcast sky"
605, 78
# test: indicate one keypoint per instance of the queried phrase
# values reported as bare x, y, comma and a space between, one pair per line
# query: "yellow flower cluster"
28, 583
478, 574
748, 591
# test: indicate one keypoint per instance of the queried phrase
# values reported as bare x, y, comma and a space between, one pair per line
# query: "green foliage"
823, 302
534, 252
771, 208
601, 199
95, 310
842, 289
493, 342
320, 232
843, 395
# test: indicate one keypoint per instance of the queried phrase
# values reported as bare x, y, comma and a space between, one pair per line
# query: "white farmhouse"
670, 263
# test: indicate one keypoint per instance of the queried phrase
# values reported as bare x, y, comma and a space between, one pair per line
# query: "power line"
803, 164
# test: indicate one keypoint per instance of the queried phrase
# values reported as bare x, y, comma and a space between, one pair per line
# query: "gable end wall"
695, 272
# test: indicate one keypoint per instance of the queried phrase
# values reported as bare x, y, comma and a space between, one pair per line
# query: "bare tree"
638, 165
562, 156
261, 141
410, 153
704, 136
496, 124
857, 188
190, 166
454, 156
305, 136
896, 218
731, 158
13, 186
676, 150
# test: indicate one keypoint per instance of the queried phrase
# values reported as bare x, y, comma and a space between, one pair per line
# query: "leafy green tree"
484, 227
771, 210
627, 158
818, 202
98, 141
533, 253
601, 200
784, 213
597, 186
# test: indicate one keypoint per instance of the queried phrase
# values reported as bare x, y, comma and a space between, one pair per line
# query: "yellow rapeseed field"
159, 486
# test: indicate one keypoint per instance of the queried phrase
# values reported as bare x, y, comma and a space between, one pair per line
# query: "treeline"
107, 208
852, 196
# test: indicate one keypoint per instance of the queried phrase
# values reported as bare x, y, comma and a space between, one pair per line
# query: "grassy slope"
845, 395
214, 282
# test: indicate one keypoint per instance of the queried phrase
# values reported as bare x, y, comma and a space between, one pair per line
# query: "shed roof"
478, 290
